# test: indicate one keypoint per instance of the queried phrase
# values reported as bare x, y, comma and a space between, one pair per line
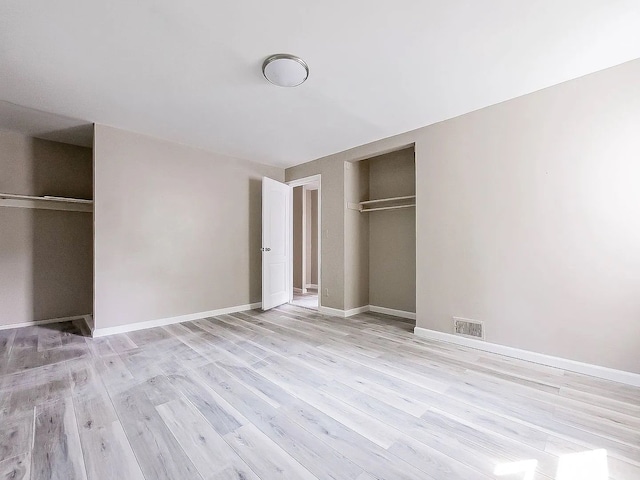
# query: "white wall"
177, 230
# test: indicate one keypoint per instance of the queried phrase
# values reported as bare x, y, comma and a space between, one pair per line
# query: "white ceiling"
45, 125
189, 70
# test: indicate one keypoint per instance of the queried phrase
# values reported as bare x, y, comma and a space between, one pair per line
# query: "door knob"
265, 249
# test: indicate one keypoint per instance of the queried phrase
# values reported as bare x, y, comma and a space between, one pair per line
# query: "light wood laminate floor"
296, 395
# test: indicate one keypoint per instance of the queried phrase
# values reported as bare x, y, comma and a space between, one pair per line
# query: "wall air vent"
468, 328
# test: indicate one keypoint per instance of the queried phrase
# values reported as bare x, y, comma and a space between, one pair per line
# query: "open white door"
276, 251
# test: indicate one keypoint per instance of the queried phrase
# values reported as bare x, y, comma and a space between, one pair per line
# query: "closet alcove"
380, 231
46, 228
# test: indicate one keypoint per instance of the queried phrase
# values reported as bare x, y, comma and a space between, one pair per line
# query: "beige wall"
392, 233
356, 237
177, 230
45, 255
528, 218
298, 237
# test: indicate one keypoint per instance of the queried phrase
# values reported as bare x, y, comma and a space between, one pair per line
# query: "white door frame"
299, 183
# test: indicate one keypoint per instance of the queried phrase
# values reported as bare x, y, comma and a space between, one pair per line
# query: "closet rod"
46, 198
390, 199
386, 208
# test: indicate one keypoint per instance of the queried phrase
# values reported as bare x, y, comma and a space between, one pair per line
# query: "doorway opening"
306, 243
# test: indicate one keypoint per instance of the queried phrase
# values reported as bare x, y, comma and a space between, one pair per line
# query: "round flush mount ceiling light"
285, 70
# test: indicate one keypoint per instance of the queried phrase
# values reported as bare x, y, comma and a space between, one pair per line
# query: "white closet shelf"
386, 208
46, 202
379, 204
46, 198
390, 199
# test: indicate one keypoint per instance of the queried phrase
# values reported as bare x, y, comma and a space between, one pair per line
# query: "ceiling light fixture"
285, 70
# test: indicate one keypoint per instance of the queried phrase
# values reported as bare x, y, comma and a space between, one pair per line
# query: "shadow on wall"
255, 240
61, 241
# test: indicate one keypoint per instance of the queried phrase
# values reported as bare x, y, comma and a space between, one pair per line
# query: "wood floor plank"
49, 338
208, 451
6, 343
121, 343
527, 411
113, 372
606, 403
56, 449
108, 454
22, 359
148, 337
319, 459
159, 454
432, 462
38, 386
16, 436
233, 473
142, 365
353, 418
372, 458
101, 347
260, 386
16, 468
467, 445
264, 456
223, 417
94, 410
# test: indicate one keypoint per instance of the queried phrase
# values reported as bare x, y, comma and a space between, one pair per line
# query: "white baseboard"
597, 371
298, 290
311, 285
103, 332
90, 323
336, 312
391, 311
44, 322
355, 311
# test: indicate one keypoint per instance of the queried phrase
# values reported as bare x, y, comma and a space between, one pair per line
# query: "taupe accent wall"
46, 266
527, 217
177, 229
392, 233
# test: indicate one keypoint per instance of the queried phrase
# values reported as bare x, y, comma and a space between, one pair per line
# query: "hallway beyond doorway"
306, 300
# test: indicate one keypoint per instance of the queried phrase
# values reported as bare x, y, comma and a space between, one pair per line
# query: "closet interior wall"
392, 233
312, 237
356, 236
298, 271
46, 256
304, 277
380, 246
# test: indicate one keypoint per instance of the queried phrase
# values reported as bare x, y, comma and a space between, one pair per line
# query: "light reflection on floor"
588, 465
524, 467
